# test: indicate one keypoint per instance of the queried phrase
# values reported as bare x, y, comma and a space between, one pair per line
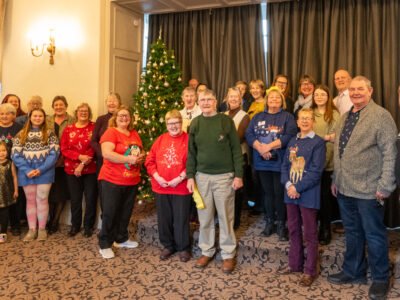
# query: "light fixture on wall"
37, 48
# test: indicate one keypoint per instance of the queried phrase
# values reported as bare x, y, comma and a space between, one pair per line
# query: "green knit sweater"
214, 147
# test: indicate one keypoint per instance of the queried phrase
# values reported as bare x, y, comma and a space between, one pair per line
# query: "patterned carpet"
71, 268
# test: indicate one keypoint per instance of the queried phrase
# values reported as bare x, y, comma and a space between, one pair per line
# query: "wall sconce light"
37, 49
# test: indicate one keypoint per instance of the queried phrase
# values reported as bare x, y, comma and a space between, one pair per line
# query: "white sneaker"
107, 253
126, 244
3, 238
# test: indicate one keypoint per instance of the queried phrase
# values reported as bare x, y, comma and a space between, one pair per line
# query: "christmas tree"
160, 91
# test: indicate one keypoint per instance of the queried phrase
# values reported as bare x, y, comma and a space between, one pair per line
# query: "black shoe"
16, 231
88, 232
73, 232
378, 290
269, 229
166, 253
282, 232
52, 229
342, 278
324, 236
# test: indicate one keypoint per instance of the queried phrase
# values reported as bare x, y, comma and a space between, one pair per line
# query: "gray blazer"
368, 162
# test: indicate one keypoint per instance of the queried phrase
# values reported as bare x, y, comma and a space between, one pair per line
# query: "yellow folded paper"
197, 198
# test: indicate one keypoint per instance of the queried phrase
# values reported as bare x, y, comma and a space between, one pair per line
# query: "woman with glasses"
166, 164
282, 82
306, 90
119, 177
326, 118
80, 167
302, 168
241, 120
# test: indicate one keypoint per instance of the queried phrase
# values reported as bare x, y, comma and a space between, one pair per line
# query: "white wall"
78, 74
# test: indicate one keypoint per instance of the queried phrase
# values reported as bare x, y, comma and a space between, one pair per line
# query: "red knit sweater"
168, 157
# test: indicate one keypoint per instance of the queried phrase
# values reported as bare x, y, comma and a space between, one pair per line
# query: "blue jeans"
363, 224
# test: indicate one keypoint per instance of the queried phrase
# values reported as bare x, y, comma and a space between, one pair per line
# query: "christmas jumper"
118, 173
302, 166
7, 134
168, 156
34, 154
74, 142
266, 128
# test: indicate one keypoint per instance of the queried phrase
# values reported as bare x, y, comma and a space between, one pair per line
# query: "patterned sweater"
35, 155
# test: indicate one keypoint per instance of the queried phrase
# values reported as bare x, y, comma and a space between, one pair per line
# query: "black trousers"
117, 204
17, 211
173, 212
4, 211
329, 210
79, 186
274, 205
58, 196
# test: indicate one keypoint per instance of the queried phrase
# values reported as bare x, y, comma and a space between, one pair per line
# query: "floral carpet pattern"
71, 268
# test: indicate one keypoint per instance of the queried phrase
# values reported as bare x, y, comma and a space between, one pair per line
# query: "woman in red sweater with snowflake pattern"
166, 164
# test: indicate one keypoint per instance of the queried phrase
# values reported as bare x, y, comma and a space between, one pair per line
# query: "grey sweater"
368, 161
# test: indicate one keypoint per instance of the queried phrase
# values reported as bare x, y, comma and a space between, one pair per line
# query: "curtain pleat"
2, 17
218, 46
318, 37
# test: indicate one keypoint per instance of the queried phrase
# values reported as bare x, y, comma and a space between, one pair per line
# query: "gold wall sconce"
37, 49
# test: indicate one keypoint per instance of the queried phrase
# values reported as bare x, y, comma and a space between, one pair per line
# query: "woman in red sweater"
80, 167
166, 164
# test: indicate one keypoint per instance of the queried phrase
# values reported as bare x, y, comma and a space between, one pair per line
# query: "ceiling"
168, 6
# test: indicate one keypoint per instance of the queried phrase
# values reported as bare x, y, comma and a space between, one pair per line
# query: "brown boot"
30, 236
202, 262
228, 265
42, 235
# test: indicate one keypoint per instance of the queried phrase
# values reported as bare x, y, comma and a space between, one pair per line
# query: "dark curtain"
318, 37
216, 46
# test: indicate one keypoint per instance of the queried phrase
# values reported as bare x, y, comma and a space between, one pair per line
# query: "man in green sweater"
215, 163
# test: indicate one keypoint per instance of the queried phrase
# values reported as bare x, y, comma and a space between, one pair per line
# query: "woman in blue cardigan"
35, 151
302, 169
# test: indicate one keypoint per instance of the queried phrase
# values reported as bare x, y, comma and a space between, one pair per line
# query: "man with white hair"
364, 160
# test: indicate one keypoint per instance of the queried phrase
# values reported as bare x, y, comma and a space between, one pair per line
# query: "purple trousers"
296, 217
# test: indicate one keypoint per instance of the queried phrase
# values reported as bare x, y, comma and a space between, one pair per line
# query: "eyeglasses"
320, 95
306, 84
173, 123
206, 99
123, 116
281, 82
83, 111
305, 119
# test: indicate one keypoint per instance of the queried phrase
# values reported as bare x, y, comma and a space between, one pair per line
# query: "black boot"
282, 231
324, 235
270, 228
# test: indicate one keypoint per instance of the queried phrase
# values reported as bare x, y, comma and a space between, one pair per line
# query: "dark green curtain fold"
218, 46
318, 37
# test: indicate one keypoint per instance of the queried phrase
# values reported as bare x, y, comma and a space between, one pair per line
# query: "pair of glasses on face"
123, 116
173, 123
305, 119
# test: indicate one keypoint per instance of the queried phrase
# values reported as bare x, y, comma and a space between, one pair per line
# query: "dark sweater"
266, 128
99, 128
214, 147
313, 152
